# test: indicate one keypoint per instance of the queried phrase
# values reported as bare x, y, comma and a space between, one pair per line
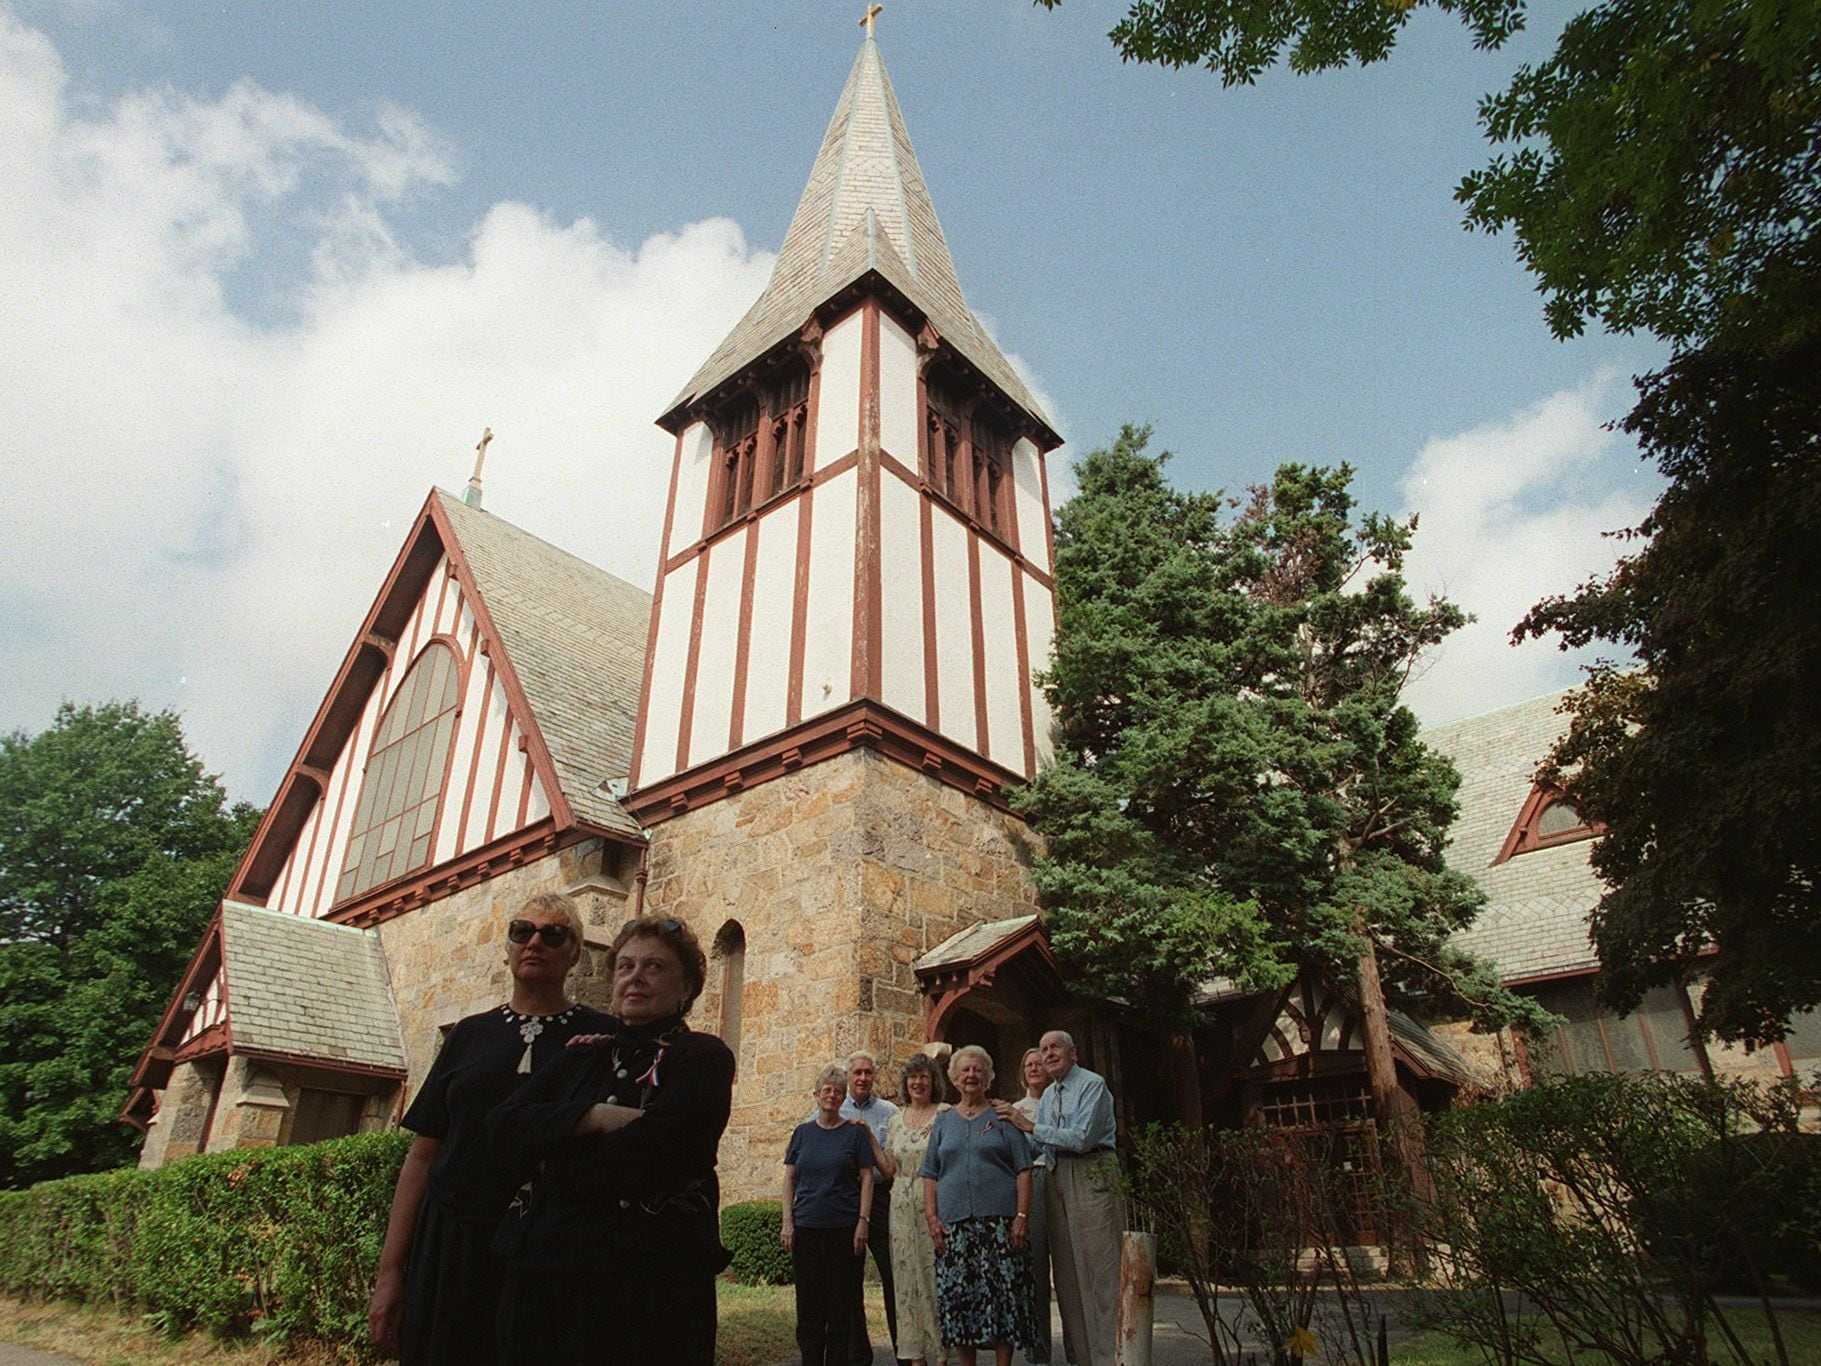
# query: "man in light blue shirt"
876, 1113
1076, 1127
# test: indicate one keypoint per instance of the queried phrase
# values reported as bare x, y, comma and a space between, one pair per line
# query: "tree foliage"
1236, 780
1704, 760
1660, 171
115, 846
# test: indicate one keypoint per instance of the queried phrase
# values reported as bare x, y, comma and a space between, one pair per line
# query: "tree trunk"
1185, 1070
1400, 1124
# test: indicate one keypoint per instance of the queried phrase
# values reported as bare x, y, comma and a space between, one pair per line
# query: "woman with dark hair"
612, 1244
438, 1283
913, 1254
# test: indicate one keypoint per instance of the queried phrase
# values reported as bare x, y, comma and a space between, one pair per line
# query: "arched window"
1547, 818
391, 832
730, 953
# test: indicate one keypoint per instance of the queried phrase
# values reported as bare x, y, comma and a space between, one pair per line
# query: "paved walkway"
30, 1356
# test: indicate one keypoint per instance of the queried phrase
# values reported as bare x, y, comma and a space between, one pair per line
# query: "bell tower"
854, 588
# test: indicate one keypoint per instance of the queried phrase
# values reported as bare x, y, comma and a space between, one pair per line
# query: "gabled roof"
866, 208
1537, 903
575, 636
308, 990
567, 641
973, 943
295, 988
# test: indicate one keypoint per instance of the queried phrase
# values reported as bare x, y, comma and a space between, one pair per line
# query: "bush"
750, 1231
284, 1237
1606, 1210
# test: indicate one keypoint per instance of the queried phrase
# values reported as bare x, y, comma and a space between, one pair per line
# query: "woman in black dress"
434, 1301
613, 1244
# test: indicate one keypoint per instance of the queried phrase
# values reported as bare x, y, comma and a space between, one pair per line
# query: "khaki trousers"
1087, 1217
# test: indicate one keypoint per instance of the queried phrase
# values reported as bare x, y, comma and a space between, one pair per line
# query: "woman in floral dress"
913, 1255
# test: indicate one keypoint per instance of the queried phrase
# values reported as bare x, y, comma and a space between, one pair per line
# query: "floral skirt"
983, 1287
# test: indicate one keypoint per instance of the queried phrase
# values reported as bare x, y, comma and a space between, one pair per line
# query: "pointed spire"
866, 207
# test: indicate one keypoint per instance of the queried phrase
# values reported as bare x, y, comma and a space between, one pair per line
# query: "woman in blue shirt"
977, 1200
828, 1201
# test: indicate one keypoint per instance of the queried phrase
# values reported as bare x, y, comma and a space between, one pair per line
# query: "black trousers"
879, 1243
828, 1294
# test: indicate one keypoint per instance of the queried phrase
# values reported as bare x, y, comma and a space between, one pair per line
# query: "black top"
647, 1190
476, 1070
828, 1162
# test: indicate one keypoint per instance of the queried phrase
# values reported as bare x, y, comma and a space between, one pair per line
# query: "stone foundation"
839, 878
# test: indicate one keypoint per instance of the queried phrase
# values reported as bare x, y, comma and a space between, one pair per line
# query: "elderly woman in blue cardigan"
977, 1200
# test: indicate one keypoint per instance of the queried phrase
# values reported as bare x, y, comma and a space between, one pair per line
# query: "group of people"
965, 1207
559, 1204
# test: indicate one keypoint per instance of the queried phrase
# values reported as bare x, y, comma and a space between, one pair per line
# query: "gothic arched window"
394, 818
730, 953
1547, 818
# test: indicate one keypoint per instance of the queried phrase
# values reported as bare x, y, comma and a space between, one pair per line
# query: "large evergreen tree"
114, 847
1238, 790
1660, 171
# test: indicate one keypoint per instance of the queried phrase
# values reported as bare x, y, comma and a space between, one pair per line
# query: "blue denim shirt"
1075, 1115
975, 1165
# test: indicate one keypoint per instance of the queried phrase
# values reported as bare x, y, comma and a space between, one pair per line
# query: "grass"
757, 1328
1801, 1336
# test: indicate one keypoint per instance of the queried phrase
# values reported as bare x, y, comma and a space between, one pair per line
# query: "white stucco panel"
954, 631
828, 640
838, 400
695, 461
1039, 636
720, 639
999, 635
774, 591
897, 392
1027, 494
669, 658
901, 598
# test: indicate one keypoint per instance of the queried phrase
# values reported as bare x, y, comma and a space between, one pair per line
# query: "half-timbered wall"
755, 623
489, 788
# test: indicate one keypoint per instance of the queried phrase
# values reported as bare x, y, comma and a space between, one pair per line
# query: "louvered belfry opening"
761, 443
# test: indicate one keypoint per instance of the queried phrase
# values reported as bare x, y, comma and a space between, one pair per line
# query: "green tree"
1238, 791
115, 846
1660, 171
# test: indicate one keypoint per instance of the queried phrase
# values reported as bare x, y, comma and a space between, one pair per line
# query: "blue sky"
276, 266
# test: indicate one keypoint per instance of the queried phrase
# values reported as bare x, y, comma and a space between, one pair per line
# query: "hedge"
750, 1231
287, 1238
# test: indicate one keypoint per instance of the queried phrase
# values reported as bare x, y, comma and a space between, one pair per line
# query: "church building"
799, 742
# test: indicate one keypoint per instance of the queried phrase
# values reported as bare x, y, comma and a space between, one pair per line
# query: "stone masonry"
840, 876
448, 959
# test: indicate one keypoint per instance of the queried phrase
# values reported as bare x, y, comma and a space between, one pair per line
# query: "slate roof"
1535, 921
308, 988
575, 636
966, 945
866, 207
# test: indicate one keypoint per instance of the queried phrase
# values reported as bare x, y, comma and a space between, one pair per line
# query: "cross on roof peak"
872, 13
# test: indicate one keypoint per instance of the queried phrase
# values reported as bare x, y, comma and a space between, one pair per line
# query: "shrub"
287, 1238
1606, 1210
750, 1231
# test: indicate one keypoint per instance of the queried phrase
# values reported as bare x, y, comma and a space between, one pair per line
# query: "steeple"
866, 208
856, 545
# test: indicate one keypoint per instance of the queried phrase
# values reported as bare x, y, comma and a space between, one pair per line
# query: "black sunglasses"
522, 932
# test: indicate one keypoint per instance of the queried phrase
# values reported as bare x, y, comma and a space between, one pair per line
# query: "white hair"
833, 1072
971, 1050
1068, 1039
853, 1058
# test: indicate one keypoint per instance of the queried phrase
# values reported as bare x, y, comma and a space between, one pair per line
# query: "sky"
267, 271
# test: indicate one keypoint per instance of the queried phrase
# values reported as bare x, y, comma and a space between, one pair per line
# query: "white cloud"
200, 505
1511, 512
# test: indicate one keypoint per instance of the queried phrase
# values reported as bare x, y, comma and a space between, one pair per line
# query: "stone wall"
840, 876
448, 959
183, 1109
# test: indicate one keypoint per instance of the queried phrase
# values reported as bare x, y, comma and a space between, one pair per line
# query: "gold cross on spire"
872, 13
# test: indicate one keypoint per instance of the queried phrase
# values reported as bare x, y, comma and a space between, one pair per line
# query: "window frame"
748, 473
959, 463
459, 674
1525, 835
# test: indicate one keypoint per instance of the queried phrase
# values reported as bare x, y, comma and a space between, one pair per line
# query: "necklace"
530, 1026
